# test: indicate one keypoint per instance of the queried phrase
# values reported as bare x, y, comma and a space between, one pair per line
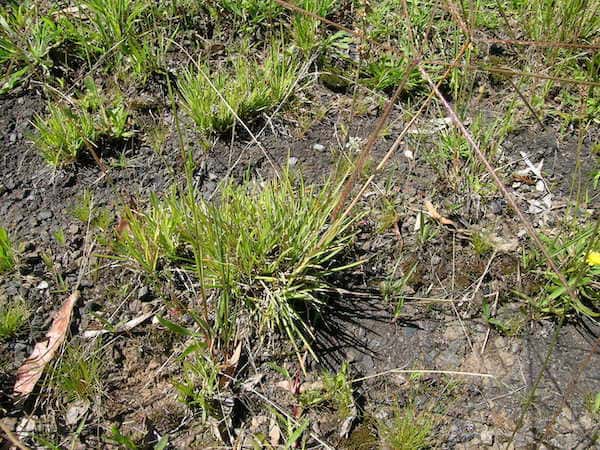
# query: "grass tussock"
266, 250
66, 131
249, 87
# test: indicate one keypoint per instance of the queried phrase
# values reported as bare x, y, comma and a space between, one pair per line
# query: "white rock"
540, 186
75, 412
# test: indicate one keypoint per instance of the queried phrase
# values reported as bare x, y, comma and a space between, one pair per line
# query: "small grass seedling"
78, 375
86, 211
128, 443
59, 237
337, 391
408, 430
13, 316
7, 254
393, 289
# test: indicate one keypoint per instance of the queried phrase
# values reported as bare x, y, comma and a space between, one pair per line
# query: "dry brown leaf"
122, 227
287, 385
434, 214
311, 386
229, 367
274, 435
31, 370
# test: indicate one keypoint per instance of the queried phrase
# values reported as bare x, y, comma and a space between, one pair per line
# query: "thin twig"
423, 371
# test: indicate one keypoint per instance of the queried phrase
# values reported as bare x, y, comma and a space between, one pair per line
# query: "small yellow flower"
593, 258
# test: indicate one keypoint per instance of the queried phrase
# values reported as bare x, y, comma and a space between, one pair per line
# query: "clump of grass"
567, 21
337, 390
247, 89
86, 211
78, 375
26, 39
13, 316
114, 22
66, 131
62, 134
578, 257
407, 430
268, 251
7, 255
305, 29
252, 12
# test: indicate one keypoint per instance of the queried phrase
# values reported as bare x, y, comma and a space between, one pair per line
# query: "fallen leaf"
122, 227
31, 370
287, 385
311, 386
535, 169
229, 367
434, 214
525, 179
346, 426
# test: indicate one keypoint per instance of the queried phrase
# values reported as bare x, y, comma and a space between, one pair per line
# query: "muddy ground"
440, 328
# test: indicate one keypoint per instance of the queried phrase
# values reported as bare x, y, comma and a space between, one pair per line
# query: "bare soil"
472, 409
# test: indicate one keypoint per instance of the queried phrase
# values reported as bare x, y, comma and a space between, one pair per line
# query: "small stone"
318, 147
292, 161
143, 293
135, 306
42, 286
44, 215
540, 186
86, 283
75, 411
496, 206
21, 351
487, 437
